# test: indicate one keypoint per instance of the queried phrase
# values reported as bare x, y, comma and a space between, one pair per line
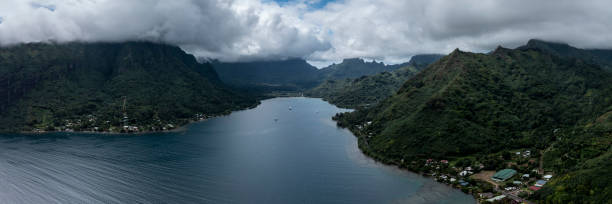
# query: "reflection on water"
269, 154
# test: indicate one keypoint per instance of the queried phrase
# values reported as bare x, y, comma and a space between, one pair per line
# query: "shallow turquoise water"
246, 157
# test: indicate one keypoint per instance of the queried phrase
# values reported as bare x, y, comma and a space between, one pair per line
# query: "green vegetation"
79, 86
368, 90
583, 157
484, 105
363, 91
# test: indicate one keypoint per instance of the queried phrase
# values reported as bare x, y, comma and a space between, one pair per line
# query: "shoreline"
179, 128
400, 168
361, 146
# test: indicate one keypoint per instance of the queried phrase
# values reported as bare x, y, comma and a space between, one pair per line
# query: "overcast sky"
320, 31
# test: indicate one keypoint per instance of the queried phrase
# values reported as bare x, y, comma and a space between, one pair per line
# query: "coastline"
179, 128
375, 158
362, 146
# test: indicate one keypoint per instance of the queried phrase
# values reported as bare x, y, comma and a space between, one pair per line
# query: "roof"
540, 183
534, 188
499, 197
504, 174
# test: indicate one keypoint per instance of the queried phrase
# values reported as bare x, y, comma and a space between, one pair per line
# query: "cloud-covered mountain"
247, 30
93, 86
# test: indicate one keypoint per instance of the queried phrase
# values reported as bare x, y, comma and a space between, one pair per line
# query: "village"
503, 177
512, 184
92, 123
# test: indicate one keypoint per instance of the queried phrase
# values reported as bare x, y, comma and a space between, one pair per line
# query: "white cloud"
387, 30
391, 29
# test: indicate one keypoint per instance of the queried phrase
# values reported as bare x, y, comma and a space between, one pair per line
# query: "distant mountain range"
83, 86
284, 75
368, 90
297, 74
601, 57
545, 96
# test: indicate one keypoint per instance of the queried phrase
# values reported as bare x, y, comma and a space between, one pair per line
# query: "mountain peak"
353, 60
501, 50
456, 51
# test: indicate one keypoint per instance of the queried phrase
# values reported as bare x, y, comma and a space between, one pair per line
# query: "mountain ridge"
368, 90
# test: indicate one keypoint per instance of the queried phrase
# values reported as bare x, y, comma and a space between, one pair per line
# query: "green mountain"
285, 75
80, 86
353, 68
601, 57
478, 105
369, 90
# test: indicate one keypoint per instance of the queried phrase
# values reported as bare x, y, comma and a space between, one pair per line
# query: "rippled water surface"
246, 157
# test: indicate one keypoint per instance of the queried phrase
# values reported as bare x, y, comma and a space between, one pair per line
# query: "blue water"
246, 157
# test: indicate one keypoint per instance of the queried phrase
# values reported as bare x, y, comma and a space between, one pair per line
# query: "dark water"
246, 157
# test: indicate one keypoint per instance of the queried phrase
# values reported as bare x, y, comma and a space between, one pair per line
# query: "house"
465, 173
444, 161
540, 183
547, 177
463, 183
486, 195
517, 182
499, 197
525, 175
503, 175
534, 188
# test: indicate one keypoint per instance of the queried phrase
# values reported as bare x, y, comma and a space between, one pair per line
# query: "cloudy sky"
320, 31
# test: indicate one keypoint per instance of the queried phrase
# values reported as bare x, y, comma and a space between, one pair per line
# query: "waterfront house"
496, 198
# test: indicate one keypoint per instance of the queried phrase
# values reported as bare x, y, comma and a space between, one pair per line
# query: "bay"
286, 150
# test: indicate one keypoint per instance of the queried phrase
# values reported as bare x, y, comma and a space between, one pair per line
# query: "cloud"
224, 29
392, 30
317, 30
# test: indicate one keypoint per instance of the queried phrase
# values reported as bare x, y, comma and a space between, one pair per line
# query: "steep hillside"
582, 156
369, 90
469, 103
81, 86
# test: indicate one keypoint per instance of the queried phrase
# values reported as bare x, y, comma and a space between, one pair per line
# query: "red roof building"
534, 188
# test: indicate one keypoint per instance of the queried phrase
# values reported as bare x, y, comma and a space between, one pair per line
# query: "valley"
540, 111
